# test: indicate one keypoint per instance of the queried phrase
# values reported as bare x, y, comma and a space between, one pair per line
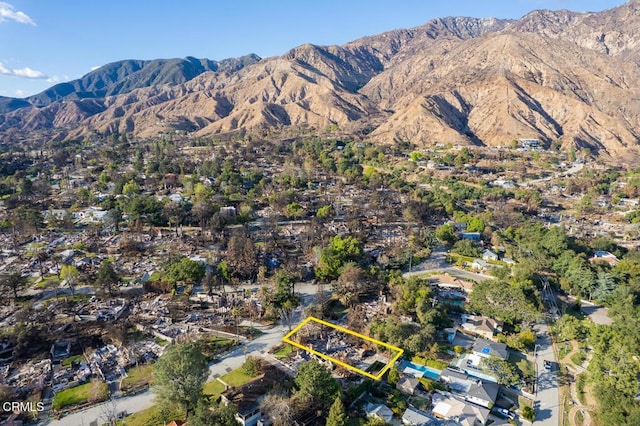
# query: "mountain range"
563, 77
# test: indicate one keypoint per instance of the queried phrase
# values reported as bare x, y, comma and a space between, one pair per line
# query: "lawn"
151, 417
161, 342
236, 377
211, 347
66, 363
136, 377
213, 389
88, 392
284, 351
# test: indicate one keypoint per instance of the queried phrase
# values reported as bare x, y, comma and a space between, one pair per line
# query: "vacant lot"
136, 377
89, 392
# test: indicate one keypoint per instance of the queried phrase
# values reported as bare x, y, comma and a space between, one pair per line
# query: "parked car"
548, 365
506, 413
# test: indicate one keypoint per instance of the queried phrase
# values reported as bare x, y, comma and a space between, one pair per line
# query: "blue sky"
43, 42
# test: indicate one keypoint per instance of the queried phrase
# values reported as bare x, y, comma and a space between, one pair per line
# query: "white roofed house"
414, 417
379, 411
489, 255
467, 414
90, 215
604, 256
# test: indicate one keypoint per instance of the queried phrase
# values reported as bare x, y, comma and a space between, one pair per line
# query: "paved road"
437, 263
271, 337
547, 404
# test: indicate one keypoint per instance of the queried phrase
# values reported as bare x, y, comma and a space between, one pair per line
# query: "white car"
506, 413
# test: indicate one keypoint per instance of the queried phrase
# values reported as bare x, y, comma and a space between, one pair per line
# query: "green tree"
375, 421
315, 383
179, 375
324, 212
216, 415
447, 233
185, 270
337, 416
223, 271
293, 210
107, 278
252, 366
505, 301
475, 224
12, 284
503, 370
394, 376
130, 188
339, 251
71, 276
528, 413
467, 248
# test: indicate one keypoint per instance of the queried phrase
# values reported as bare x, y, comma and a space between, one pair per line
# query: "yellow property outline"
287, 339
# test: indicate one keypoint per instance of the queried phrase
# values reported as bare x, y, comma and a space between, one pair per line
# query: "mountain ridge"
563, 76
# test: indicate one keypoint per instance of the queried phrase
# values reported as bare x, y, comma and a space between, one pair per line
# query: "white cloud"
19, 93
22, 73
95, 68
8, 13
28, 73
53, 80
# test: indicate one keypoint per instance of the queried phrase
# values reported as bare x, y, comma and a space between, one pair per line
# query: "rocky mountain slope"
555, 75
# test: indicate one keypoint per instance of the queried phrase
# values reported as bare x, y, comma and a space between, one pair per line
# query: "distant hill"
560, 76
122, 77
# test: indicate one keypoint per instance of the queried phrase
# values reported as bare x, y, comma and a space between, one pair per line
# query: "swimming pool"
418, 370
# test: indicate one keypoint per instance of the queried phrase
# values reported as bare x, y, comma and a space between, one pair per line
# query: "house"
247, 397
530, 144
479, 264
460, 226
450, 407
90, 215
502, 183
456, 380
177, 423
379, 411
53, 214
473, 236
483, 393
604, 256
485, 348
481, 326
413, 416
408, 385
228, 212
489, 255
59, 350
508, 261
176, 198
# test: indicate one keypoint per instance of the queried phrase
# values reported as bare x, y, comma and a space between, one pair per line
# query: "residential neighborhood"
480, 285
